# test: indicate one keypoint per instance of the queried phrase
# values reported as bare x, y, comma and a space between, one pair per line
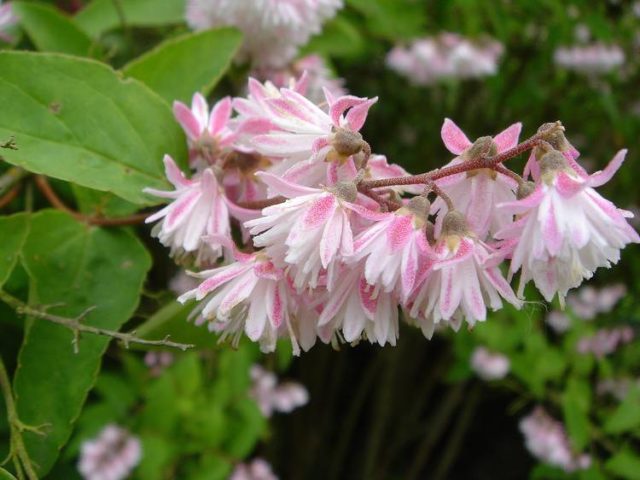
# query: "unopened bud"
346, 191
347, 142
552, 161
454, 223
555, 136
419, 206
483, 147
525, 189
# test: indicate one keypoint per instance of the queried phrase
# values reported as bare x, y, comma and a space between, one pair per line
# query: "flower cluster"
446, 56
110, 456
547, 440
257, 469
272, 396
273, 30
589, 59
333, 240
7, 19
605, 341
489, 365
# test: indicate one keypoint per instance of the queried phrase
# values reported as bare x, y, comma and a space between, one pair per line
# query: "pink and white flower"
200, 208
7, 19
605, 341
257, 469
358, 310
208, 133
596, 58
489, 365
273, 396
309, 232
565, 229
463, 280
476, 193
110, 456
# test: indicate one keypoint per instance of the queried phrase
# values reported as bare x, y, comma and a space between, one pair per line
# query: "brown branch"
45, 188
8, 197
260, 204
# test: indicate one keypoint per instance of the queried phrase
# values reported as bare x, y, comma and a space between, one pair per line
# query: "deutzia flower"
207, 133
110, 456
310, 231
7, 19
250, 295
200, 208
257, 469
477, 192
565, 229
489, 365
463, 279
272, 396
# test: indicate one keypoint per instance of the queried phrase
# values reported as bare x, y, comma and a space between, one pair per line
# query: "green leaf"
4, 475
102, 15
575, 406
626, 416
82, 267
181, 66
14, 232
105, 204
79, 121
625, 464
51, 31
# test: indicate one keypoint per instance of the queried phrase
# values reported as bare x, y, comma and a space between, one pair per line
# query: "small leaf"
82, 267
626, 416
204, 55
103, 15
14, 233
78, 120
575, 406
51, 31
625, 464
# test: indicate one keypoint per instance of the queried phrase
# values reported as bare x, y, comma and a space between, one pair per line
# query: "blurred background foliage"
416, 410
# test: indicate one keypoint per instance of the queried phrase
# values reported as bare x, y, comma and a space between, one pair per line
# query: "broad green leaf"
51, 31
79, 121
194, 62
105, 204
627, 416
625, 464
13, 231
576, 401
82, 267
4, 475
172, 320
103, 15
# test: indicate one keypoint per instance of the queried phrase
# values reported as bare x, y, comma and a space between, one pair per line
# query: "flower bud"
481, 148
347, 142
346, 191
552, 161
525, 189
555, 136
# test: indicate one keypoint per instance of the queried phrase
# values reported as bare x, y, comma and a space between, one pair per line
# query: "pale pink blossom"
463, 280
489, 365
446, 56
595, 58
158, 362
199, 209
273, 29
565, 230
547, 440
257, 469
395, 248
476, 193
182, 282
7, 19
356, 310
112, 455
559, 321
309, 232
208, 133
605, 341
273, 396
251, 296
588, 302
617, 387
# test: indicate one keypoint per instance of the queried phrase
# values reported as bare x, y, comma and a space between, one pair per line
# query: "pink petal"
508, 138
180, 209
200, 109
550, 229
222, 275
284, 187
358, 114
320, 211
187, 120
220, 115
603, 176
330, 241
450, 293
174, 174
454, 139
568, 186
399, 231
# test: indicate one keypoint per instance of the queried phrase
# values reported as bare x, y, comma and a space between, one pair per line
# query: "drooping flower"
588, 302
273, 30
489, 365
112, 455
273, 396
208, 133
547, 440
250, 296
565, 229
257, 469
463, 280
199, 209
477, 192
7, 19
596, 58
309, 232
605, 341
395, 248
357, 310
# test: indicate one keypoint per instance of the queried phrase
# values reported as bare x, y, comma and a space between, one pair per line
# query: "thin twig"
8, 197
77, 327
260, 204
45, 188
10, 178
